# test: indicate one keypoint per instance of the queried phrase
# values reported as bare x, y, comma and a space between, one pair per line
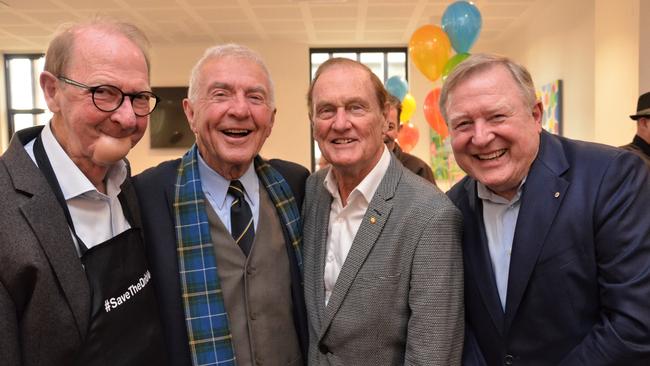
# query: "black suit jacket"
579, 280
155, 188
44, 294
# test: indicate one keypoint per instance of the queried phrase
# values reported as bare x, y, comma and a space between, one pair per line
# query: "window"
25, 102
384, 62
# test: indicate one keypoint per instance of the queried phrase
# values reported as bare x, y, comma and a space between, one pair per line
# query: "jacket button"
250, 271
323, 349
508, 360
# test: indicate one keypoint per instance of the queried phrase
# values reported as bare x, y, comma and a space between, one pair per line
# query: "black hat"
642, 107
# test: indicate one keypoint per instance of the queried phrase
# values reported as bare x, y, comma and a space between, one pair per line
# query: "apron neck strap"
46, 168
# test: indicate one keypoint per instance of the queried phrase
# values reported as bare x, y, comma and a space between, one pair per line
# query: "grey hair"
481, 62
224, 51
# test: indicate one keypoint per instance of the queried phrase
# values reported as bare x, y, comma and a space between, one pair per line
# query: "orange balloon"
408, 136
429, 48
433, 115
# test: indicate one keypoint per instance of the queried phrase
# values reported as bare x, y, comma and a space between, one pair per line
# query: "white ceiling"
28, 24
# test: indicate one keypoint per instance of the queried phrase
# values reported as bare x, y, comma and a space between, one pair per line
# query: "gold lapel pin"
373, 220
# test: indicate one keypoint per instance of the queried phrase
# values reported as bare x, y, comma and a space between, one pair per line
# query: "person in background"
383, 266
411, 162
556, 236
75, 288
640, 145
223, 228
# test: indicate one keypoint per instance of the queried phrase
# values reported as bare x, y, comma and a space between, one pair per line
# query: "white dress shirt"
97, 217
215, 188
500, 220
344, 222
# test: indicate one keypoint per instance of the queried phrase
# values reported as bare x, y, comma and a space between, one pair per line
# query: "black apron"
124, 327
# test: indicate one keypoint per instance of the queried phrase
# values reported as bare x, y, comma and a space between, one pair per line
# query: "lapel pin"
557, 194
373, 220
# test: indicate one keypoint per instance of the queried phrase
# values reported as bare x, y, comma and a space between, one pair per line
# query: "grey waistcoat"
257, 290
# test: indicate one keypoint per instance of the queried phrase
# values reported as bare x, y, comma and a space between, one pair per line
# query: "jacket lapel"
371, 227
322, 208
541, 198
48, 223
477, 256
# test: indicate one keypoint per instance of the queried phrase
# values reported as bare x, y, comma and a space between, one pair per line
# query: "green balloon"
452, 63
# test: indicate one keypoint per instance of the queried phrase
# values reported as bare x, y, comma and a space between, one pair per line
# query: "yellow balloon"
408, 108
429, 48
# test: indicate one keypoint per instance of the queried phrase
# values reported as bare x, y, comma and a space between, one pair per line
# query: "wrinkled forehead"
344, 81
94, 49
236, 67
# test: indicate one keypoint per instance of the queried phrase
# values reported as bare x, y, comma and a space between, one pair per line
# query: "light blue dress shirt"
500, 221
215, 188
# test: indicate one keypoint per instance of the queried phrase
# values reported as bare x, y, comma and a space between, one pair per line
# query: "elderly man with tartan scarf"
222, 225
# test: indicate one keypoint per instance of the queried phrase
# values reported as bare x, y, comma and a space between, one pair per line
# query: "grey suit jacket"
44, 294
399, 297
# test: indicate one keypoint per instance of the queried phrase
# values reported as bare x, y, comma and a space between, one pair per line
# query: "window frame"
11, 112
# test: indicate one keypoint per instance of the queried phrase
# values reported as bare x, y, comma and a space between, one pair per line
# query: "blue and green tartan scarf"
205, 311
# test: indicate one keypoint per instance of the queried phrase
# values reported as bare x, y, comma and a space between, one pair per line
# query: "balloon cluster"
430, 49
408, 134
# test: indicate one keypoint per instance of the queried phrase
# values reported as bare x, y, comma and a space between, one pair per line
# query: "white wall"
644, 50
4, 138
616, 70
559, 44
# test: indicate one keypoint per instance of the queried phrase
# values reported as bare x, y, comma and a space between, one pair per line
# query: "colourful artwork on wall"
443, 164
551, 96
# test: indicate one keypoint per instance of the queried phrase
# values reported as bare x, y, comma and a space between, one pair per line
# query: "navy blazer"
579, 280
155, 189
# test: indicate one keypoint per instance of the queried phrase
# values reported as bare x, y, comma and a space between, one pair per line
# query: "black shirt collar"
644, 146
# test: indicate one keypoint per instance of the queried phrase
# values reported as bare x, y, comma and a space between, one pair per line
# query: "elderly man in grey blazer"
382, 258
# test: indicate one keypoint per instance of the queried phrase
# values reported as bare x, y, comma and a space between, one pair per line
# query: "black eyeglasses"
108, 98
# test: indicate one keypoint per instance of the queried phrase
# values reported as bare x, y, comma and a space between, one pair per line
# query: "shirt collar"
216, 186
486, 193
644, 146
368, 186
72, 180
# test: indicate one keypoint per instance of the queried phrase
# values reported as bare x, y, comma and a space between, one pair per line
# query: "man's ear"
385, 114
538, 112
272, 122
644, 122
49, 85
188, 108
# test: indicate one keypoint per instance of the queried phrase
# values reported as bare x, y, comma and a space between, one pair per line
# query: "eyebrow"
498, 107
345, 102
227, 86
257, 89
220, 85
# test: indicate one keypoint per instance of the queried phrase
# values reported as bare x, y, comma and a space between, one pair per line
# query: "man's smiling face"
348, 120
232, 115
495, 133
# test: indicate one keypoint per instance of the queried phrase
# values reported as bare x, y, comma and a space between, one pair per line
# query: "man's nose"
124, 114
239, 107
340, 119
483, 134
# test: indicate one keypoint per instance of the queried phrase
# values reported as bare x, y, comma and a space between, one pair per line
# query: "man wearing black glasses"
74, 284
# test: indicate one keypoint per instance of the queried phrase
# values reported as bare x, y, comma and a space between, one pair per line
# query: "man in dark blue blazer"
222, 225
556, 231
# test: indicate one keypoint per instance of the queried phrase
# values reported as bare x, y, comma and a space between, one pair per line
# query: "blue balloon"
397, 86
462, 23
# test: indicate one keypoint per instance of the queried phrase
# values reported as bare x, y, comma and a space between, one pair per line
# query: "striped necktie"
241, 218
